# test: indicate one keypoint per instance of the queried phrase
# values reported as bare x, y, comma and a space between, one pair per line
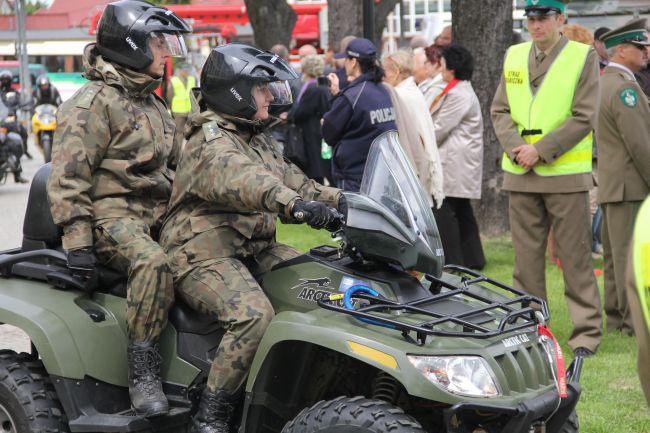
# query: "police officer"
622, 135
45, 92
110, 180
360, 112
543, 113
5, 82
178, 94
231, 184
638, 293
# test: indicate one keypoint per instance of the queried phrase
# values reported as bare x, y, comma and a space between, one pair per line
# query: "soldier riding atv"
372, 336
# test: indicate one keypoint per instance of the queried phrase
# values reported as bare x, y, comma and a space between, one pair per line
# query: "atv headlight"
465, 375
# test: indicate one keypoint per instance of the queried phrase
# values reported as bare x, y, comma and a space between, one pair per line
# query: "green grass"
612, 400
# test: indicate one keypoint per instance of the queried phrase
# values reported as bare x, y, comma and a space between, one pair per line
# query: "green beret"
632, 32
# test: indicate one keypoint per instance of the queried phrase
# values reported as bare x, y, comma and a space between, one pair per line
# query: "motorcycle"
43, 125
11, 121
8, 140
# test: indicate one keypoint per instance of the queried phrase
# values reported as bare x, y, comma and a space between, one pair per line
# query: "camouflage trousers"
125, 245
226, 289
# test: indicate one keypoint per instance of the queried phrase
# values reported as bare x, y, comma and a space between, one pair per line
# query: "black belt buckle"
526, 132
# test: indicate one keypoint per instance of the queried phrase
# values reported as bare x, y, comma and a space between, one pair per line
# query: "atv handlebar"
338, 218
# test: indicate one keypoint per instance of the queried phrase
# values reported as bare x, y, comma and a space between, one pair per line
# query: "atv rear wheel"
28, 402
352, 415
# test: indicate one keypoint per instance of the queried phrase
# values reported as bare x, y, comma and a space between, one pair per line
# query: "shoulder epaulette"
211, 130
88, 94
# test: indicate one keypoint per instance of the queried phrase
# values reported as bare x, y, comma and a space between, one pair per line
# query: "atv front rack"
516, 311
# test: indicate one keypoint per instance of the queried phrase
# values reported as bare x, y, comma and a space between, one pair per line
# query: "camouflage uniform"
110, 178
231, 184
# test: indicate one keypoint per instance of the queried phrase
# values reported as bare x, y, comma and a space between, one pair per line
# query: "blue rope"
360, 288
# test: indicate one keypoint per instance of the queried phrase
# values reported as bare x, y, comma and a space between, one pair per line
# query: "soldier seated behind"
111, 179
231, 184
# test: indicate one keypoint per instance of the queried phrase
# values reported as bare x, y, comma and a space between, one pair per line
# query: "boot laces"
146, 370
219, 409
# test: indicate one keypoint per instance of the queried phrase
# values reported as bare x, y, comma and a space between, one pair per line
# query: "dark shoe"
28, 155
145, 388
19, 179
215, 412
582, 352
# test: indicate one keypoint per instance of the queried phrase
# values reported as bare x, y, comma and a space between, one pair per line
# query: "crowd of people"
202, 232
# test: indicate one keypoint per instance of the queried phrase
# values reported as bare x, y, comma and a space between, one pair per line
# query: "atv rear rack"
516, 309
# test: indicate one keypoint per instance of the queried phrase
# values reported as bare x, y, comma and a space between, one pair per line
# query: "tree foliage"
485, 28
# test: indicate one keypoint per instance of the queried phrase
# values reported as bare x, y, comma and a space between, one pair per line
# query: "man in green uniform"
231, 185
543, 113
110, 180
623, 137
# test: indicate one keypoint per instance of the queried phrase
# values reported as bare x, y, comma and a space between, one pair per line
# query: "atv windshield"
389, 180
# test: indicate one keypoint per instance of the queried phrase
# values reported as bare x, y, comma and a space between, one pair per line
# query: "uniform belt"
526, 132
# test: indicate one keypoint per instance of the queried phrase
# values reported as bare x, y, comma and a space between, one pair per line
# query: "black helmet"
230, 73
126, 26
43, 80
5, 79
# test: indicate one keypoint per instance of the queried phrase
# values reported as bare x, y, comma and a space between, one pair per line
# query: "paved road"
13, 200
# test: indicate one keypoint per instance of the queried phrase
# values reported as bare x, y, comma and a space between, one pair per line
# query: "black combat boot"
145, 388
215, 412
18, 178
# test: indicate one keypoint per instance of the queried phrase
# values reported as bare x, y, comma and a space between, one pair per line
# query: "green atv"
373, 336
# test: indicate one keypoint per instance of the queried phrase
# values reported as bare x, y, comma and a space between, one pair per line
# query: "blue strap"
360, 288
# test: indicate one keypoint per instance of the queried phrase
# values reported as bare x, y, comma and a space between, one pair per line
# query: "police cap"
632, 32
358, 48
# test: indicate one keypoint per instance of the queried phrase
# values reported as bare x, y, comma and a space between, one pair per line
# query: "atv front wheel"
353, 415
28, 402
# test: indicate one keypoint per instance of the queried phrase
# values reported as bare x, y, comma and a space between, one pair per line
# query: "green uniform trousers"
226, 289
125, 245
616, 233
531, 216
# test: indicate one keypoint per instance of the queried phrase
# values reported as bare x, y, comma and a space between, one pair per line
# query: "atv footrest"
128, 422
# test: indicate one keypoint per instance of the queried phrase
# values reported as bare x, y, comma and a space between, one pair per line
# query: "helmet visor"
172, 42
281, 92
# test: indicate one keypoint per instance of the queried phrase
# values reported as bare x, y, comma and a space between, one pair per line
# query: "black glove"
343, 206
82, 261
314, 213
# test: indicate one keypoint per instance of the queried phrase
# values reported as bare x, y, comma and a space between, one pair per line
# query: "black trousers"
459, 233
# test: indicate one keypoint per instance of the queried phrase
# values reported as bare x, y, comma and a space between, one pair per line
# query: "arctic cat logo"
237, 95
320, 283
315, 295
516, 340
130, 42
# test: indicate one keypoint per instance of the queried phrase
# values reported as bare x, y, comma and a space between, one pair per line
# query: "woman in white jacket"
458, 125
414, 124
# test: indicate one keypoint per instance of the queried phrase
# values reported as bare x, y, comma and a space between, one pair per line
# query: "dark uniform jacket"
112, 146
360, 113
623, 134
231, 184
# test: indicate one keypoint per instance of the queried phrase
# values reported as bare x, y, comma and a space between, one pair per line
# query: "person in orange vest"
178, 96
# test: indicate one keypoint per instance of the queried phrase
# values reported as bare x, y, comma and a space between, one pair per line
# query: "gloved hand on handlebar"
82, 260
314, 213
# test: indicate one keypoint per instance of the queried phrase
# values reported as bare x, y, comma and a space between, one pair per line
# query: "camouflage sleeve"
309, 189
80, 139
231, 179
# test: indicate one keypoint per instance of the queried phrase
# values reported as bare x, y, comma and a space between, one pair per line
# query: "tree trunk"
485, 28
382, 10
272, 22
344, 17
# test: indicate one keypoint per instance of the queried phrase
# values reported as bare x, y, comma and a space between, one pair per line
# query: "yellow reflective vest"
181, 100
539, 114
641, 258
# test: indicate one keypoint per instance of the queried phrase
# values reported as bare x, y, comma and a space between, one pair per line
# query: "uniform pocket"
243, 224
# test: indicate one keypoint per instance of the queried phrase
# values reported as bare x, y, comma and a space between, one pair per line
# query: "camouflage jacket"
231, 175
111, 151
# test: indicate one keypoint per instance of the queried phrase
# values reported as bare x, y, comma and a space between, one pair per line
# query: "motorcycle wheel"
28, 402
47, 147
352, 415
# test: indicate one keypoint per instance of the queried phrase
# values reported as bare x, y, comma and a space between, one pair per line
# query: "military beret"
632, 32
535, 8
